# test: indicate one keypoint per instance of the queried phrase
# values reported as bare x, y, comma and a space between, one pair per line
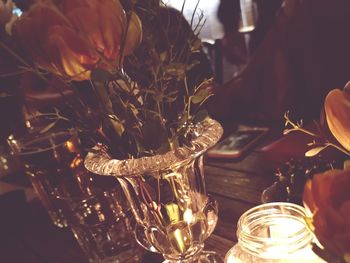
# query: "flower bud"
134, 34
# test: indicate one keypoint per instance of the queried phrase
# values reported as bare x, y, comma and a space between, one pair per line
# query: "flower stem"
339, 148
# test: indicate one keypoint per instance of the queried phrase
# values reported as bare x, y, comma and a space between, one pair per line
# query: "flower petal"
308, 198
340, 188
337, 108
33, 27
70, 53
113, 26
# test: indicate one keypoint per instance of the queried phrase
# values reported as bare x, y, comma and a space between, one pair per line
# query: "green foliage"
200, 116
151, 104
146, 102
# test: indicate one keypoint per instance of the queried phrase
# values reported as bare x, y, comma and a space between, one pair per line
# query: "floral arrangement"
326, 196
133, 67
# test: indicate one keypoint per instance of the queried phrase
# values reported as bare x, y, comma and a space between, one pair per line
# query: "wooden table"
27, 236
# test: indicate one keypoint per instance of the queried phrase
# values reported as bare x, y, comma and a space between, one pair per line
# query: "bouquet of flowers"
139, 62
326, 196
138, 78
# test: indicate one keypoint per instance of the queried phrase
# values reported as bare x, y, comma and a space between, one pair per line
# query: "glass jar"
273, 232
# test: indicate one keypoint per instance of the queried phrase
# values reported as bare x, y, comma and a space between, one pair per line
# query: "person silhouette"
304, 54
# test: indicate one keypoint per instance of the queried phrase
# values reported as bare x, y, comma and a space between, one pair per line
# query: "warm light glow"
232, 259
77, 161
246, 29
274, 232
70, 146
284, 227
188, 216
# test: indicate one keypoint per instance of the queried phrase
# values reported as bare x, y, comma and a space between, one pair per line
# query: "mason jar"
273, 232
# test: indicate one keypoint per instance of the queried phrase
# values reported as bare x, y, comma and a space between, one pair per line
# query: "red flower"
73, 37
327, 196
102, 22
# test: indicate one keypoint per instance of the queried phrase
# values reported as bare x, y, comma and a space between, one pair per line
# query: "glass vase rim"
99, 162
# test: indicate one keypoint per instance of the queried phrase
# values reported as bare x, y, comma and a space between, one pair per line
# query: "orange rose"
337, 108
103, 22
327, 196
75, 36
53, 43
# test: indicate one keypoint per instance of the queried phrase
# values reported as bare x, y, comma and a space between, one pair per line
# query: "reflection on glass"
49, 153
99, 220
47, 160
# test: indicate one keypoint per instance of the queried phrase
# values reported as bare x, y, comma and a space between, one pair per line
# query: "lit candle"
274, 232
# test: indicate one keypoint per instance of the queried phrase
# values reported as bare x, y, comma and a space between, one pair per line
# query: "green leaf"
170, 99
314, 151
48, 127
117, 125
101, 75
200, 96
103, 96
177, 70
200, 116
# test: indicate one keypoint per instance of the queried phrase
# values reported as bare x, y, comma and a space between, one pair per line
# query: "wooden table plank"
230, 211
246, 187
219, 245
255, 162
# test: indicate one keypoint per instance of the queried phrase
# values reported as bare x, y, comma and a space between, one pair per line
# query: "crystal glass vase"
167, 195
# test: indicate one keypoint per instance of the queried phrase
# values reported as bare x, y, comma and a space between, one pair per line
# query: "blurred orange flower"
327, 196
337, 108
73, 37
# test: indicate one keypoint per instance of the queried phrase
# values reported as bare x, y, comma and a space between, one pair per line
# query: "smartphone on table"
238, 142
